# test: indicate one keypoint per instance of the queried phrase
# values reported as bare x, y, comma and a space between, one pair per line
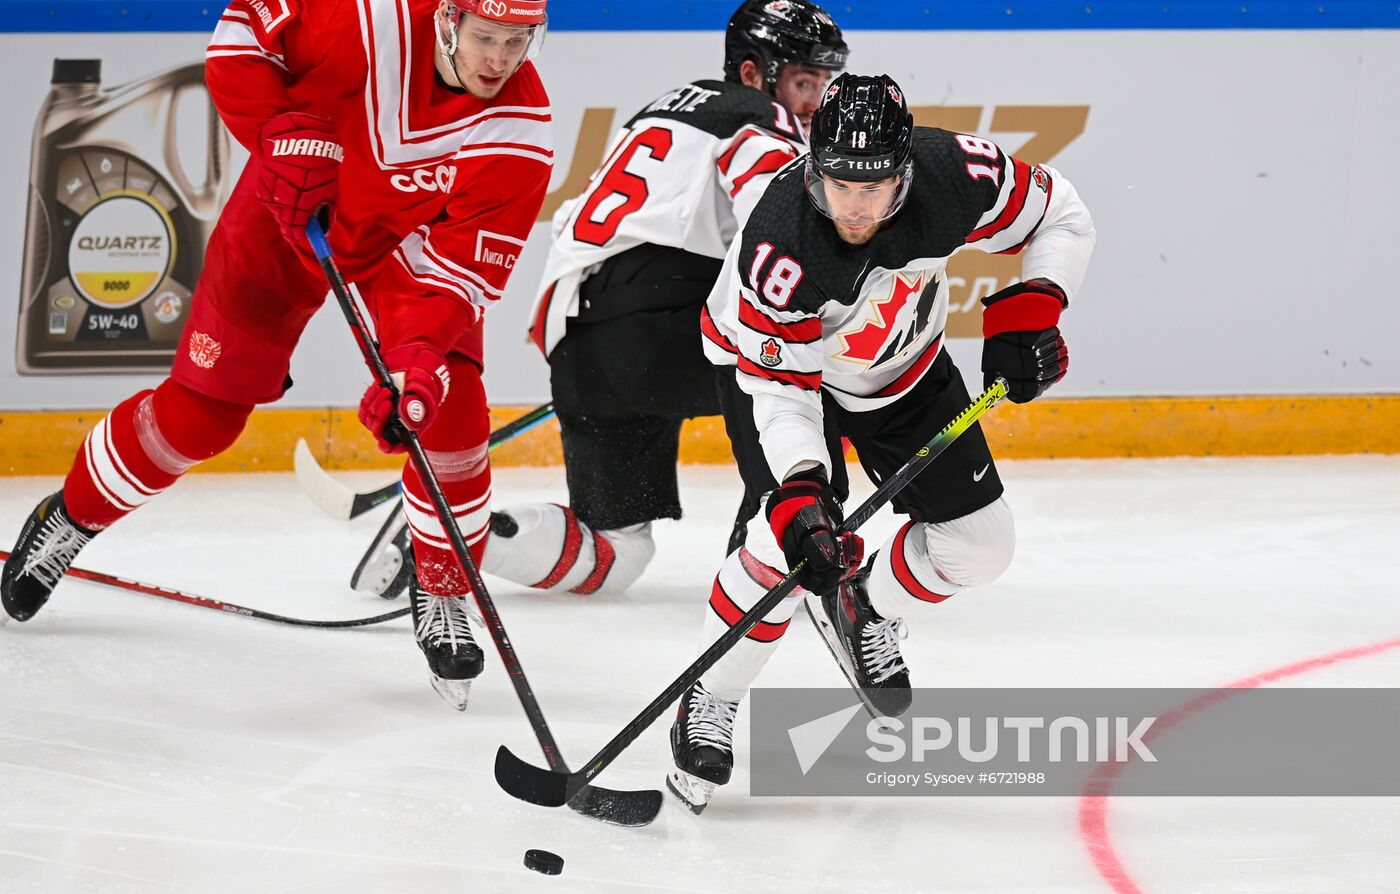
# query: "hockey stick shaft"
134, 586
552, 789
375, 360
364, 502
517, 427
599, 803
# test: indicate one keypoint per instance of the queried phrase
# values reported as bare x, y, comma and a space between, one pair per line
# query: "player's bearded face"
857, 209
488, 53
800, 88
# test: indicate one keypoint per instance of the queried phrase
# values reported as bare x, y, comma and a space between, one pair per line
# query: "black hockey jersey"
797, 310
684, 172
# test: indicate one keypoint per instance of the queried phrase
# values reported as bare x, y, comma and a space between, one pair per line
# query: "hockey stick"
121, 583
551, 788
329, 495
625, 808
339, 501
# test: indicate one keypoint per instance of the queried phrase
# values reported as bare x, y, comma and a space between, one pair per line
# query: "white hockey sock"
924, 564
742, 581
552, 550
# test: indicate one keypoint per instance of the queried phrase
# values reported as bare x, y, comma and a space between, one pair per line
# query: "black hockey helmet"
862, 132
775, 33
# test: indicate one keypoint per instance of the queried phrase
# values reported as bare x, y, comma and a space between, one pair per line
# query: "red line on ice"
1093, 804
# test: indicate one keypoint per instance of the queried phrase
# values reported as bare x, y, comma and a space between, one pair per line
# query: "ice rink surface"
147, 746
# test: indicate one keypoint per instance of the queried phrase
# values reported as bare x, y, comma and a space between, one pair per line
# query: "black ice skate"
387, 566
445, 635
865, 645
47, 546
702, 742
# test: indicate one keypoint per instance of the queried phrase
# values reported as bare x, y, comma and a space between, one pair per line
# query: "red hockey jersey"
439, 189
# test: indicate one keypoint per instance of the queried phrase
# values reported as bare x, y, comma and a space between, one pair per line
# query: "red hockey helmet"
506, 12
529, 14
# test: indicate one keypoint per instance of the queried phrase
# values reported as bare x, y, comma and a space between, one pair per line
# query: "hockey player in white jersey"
617, 316
828, 321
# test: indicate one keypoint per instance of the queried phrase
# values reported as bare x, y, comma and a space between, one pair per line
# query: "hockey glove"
806, 518
420, 373
1022, 343
299, 174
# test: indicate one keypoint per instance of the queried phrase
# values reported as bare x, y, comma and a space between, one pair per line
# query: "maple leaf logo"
769, 353
863, 343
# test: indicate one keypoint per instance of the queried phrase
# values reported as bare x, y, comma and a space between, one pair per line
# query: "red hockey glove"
1023, 344
806, 518
299, 175
420, 373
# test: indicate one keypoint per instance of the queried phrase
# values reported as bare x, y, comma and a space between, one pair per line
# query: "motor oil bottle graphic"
115, 233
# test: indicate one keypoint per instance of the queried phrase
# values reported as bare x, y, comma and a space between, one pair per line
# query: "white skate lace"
443, 619
710, 720
880, 643
57, 546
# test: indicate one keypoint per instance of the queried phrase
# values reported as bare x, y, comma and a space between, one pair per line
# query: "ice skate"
702, 742
47, 546
443, 631
865, 645
387, 566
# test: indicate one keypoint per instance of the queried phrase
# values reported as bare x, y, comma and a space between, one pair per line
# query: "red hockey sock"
456, 447
143, 446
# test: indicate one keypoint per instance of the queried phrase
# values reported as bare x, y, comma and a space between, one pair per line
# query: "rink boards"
1238, 300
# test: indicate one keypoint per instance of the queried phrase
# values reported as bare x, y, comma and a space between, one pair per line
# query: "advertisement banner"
1243, 234
115, 231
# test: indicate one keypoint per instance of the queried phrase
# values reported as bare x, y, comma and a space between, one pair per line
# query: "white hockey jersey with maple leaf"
797, 311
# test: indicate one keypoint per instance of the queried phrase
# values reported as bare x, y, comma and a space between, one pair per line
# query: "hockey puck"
544, 862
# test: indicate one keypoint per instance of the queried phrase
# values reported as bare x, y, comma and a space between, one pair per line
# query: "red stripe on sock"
604, 556
904, 574
573, 542
731, 614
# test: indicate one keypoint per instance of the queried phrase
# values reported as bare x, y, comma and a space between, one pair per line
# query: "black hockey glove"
806, 517
1020, 325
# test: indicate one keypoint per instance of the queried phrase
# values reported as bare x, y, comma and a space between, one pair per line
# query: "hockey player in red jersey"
828, 321
618, 314
419, 132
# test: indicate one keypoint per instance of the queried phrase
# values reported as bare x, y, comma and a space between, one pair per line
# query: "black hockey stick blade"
632, 808
536, 784
550, 789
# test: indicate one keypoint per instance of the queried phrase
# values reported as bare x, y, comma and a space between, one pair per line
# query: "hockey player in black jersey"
617, 316
828, 321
